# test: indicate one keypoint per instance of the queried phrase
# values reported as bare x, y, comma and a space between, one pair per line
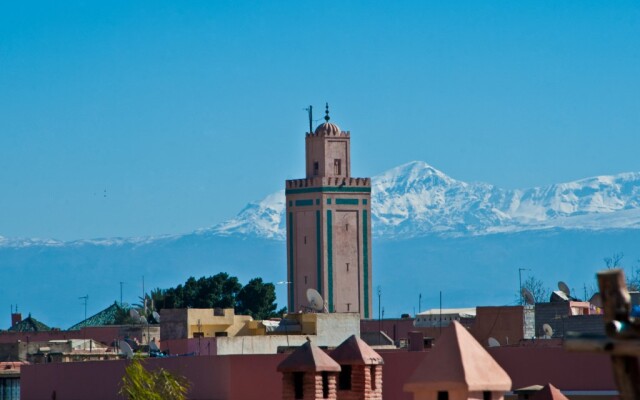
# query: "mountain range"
432, 233
415, 200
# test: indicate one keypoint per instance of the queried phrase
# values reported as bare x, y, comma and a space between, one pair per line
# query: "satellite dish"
548, 330
563, 286
315, 300
156, 316
493, 342
596, 300
143, 320
528, 297
126, 349
153, 346
134, 313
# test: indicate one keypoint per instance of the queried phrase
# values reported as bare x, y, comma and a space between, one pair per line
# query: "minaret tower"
329, 227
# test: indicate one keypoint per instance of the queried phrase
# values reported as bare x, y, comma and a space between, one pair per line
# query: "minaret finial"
326, 117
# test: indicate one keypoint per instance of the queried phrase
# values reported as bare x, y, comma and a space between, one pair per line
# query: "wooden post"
623, 331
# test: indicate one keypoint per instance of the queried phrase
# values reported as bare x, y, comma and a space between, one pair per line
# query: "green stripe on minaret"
290, 287
330, 259
319, 251
365, 260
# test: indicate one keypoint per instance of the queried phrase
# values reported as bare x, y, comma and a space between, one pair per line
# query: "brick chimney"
309, 374
16, 318
360, 377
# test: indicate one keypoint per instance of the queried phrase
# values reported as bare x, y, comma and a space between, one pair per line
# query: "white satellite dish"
156, 316
493, 342
153, 346
548, 330
596, 300
315, 299
125, 349
134, 313
528, 297
565, 288
143, 320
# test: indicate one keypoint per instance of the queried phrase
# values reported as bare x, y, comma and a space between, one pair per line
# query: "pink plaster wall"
249, 377
200, 347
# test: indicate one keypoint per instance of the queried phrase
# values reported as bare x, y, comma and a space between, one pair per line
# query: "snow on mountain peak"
416, 199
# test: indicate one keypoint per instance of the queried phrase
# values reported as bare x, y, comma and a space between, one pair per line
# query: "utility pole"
379, 315
121, 283
86, 299
520, 279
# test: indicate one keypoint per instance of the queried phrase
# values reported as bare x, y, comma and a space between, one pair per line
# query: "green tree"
138, 383
257, 299
219, 290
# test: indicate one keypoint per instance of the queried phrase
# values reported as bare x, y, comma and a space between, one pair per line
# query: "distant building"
221, 332
28, 324
329, 227
436, 317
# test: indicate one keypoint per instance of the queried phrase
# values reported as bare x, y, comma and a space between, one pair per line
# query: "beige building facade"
329, 227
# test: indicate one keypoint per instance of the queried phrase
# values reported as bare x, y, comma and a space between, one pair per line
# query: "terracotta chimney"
16, 318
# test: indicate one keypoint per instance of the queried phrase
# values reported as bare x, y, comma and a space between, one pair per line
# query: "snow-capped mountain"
416, 199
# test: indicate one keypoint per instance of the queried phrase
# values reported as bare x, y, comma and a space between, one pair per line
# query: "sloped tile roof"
108, 316
29, 324
354, 351
458, 361
308, 358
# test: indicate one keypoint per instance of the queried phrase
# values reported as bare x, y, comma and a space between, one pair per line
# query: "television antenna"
85, 299
528, 297
493, 342
315, 300
548, 331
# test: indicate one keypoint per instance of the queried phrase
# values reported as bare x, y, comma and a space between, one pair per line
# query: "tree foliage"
256, 298
219, 290
541, 294
138, 383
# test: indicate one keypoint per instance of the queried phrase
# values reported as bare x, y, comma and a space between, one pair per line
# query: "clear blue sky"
186, 111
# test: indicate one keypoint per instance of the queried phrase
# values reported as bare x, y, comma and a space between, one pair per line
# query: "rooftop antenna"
121, 283
86, 299
310, 111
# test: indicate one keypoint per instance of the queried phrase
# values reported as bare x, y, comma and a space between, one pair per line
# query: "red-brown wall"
246, 377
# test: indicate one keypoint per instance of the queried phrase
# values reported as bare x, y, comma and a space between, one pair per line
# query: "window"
325, 385
372, 372
486, 395
344, 379
347, 267
443, 395
316, 167
298, 384
336, 166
